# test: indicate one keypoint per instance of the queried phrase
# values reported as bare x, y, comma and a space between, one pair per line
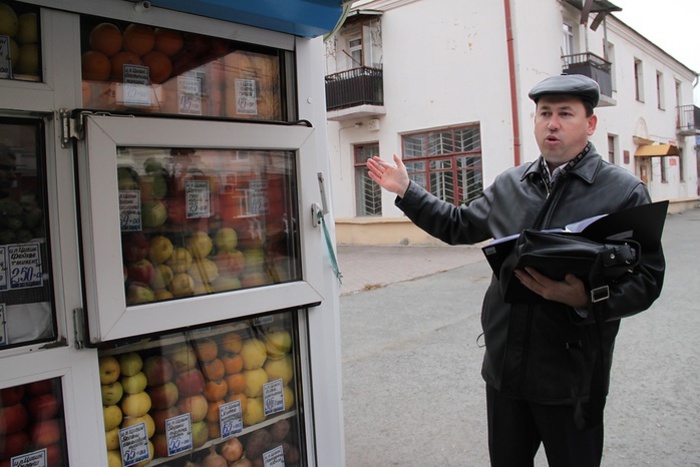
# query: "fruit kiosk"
168, 288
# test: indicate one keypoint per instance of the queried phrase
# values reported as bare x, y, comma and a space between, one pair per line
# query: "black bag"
556, 254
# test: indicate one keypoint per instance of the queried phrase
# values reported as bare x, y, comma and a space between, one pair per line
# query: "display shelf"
215, 442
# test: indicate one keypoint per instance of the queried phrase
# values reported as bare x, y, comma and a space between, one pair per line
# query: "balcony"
594, 67
688, 122
355, 93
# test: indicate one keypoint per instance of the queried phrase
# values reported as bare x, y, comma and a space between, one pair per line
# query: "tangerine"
96, 66
213, 369
205, 349
106, 38
119, 60
168, 41
232, 363
238, 397
215, 390
139, 39
159, 65
235, 383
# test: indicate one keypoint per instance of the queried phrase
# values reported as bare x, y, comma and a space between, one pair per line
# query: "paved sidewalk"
371, 267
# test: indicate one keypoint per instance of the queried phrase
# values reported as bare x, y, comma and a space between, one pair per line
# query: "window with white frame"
638, 80
354, 52
446, 162
368, 194
612, 148
660, 97
567, 47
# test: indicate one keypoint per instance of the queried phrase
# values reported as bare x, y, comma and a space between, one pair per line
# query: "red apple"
164, 395
197, 406
140, 271
14, 444
160, 416
11, 396
43, 406
135, 246
40, 387
54, 454
230, 263
160, 445
158, 370
190, 382
13, 418
45, 432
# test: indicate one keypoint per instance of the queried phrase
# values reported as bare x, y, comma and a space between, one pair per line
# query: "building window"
680, 165
660, 98
638, 81
446, 162
354, 52
612, 144
662, 166
567, 47
368, 194
610, 56
678, 93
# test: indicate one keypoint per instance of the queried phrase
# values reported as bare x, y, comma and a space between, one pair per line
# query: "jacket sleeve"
454, 225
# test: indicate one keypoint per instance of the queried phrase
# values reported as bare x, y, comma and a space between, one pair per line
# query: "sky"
670, 24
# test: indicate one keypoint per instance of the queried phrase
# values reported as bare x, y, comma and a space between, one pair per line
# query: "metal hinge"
71, 127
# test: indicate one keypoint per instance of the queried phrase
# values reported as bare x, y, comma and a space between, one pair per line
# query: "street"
413, 393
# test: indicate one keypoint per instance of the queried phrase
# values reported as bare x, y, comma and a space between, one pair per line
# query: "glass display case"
20, 42
228, 392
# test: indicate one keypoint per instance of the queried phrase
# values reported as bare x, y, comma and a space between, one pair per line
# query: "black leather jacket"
545, 352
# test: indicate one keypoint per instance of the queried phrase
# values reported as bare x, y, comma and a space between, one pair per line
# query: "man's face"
562, 128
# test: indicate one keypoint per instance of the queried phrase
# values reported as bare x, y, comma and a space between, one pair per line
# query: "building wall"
453, 70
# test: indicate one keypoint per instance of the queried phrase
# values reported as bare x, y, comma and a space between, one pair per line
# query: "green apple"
226, 239
112, 393
135, 383
199, 244
130, 363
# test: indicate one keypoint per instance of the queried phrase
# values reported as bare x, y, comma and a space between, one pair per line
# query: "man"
546, 365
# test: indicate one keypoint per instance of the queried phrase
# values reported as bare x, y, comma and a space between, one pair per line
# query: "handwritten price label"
31, 459
273, 397
197, 197
189, 92
230, 419
274, 457
25, 265
130, 210
178, 434
246, 97
3, 268
133, 443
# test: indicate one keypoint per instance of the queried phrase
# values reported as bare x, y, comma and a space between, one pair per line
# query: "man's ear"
592, 123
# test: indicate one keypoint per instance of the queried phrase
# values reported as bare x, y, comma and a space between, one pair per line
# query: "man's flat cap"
572, 85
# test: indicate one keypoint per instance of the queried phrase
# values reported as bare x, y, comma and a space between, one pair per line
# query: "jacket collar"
586, 169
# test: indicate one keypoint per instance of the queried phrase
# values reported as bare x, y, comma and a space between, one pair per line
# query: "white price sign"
30, 459
137, 85
197, 199
246, 97
230, 419
133, 443
25, 265
4, 283
274, 457
130, 210
273, 397
5, 59
178, 434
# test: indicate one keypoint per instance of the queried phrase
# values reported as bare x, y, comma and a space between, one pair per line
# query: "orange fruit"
235, 383
213, 369
96, 66
232, 363
106, 38
205, 349
238, 397
119, 60
168, 41
213, 410
159, 65
232, 342
215, 390
139, 39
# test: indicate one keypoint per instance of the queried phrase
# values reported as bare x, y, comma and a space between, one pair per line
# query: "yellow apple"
109, 369
182, 285
136, 405
147, 419
113, 417
162, 275
279, 368
200, 434
288, 396
224, 284
153, 213
226, 239
255, 413
162, 294
180, 260
135, 383
130, 363
112, 393
254, 353
199, 244
150, 456
112, 438
27, 32
8, 21
203, 271
159, 249
254, 381
278, 343
114, 458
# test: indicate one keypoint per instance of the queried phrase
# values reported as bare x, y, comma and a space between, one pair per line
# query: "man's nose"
553, 122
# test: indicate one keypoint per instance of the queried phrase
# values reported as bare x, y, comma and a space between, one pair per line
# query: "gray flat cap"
572, 85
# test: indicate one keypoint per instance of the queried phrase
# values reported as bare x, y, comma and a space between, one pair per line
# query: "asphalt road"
413, 394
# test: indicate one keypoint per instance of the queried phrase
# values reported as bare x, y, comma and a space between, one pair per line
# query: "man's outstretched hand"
393, 178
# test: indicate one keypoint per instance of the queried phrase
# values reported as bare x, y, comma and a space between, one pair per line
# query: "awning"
306, 18
657, 150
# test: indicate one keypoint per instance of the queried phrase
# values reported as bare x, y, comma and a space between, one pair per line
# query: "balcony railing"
688, 120
358, 86
591, 65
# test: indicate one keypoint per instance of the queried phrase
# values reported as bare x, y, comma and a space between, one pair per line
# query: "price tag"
137, 85
3, 268
197, 199
273, 397
257, 199
230, 419
274, 457
133, 443
189, 95
246, 96
3, 330
130, 210
25, 265
5, 58
30, 459
178, 434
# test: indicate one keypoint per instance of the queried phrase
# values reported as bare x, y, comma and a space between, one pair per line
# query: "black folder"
640, 224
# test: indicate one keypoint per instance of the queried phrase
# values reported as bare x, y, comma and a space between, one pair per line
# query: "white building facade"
444, 83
